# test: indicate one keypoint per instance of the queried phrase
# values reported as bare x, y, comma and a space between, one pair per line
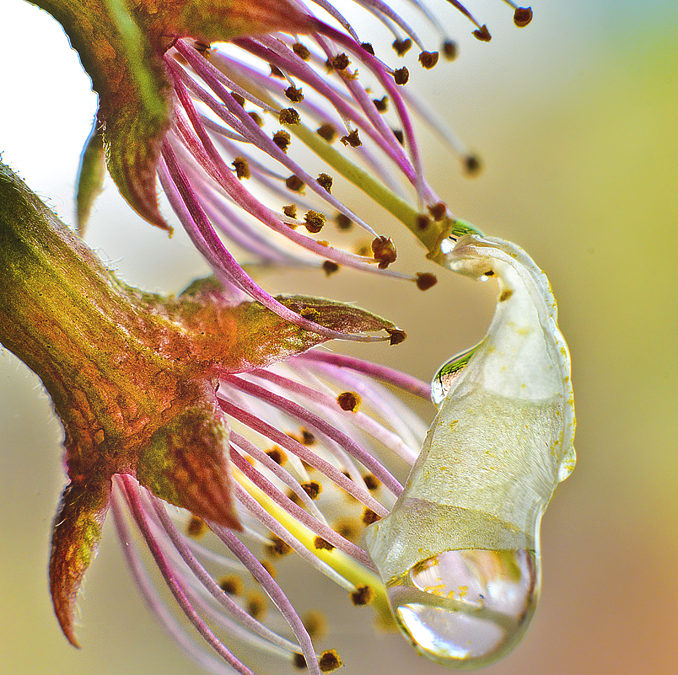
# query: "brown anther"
325, 181
273, 572
400, 136
522, 16
330, 267
196, 527
352, 139
278, 547
450, 50
384, 251
323, 544
426, 280
202, 47
276, 72
310, 313
402, 46
349, 401
472, 165
307, 438
397, 336
401, 75
428, 59
370, 516
315, 623
505, 295
315, 221
371, 481
257, 118
482, 34
299, 661
295, 183
282, 139
381, 104
290, 210
289, 116
340, 61
240, 99
327, 131
438, 211
423, 221
343, 222
329, 661
367, 46
242, 168
363, 595
277, 455
301, 51
231, 584
312, 489
256, 605
294, 94
489, 273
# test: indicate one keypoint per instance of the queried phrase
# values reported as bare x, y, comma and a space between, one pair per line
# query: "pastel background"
575, 118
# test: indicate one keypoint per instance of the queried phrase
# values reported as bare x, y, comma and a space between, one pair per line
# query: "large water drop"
466, 608
459, 550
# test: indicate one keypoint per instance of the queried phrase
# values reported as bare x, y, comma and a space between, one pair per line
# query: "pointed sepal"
248, 335
76, 536
133, 139
136, 107
186, 463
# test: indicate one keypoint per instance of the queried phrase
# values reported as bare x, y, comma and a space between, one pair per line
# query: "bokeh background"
576, 120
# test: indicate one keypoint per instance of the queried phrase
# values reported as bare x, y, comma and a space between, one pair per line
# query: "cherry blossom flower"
211, 406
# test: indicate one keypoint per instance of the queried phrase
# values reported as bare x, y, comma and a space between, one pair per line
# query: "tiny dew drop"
448, 373
466, 608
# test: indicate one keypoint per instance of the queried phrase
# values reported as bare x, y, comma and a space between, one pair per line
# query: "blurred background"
575, 120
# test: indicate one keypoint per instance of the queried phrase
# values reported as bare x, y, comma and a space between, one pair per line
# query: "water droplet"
567, 464
469, 607
458, 551
448, 373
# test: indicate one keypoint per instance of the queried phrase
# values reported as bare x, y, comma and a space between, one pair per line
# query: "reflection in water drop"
466, 608
448, 373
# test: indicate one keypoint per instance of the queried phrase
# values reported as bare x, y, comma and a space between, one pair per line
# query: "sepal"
77, 532
186, 463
